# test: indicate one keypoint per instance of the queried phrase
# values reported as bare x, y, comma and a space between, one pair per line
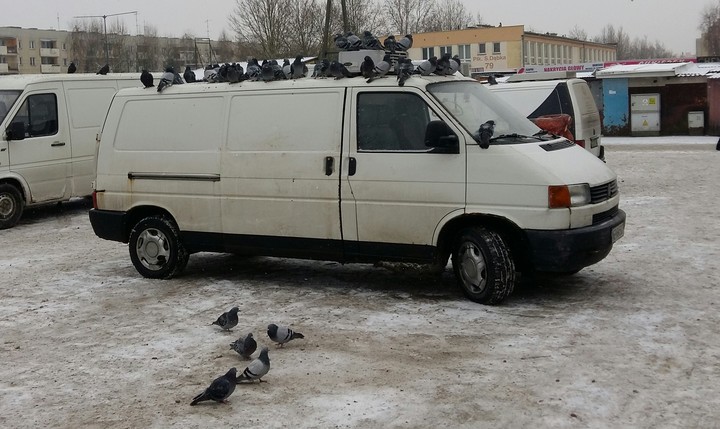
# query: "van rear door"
42, 156
396, 191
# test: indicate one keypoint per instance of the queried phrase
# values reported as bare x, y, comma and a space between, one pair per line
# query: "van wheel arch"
12, 203
155, 247
136, 214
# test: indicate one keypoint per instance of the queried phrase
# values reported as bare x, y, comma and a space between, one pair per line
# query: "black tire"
484, 268
155, 248
11, 205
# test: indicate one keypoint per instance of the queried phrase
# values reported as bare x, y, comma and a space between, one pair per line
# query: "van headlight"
565, 196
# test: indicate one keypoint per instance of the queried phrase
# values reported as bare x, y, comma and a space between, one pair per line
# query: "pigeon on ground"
341, 42
427, 67
405, 70
104, 69
282, 334
298, 69
443, 65
147, 79
390, 44
370, 42
189, 75
228, 320
245, 346
367, 67
405, 43
338, 70
257, 368
454, 64
354, 41
71, 68
167, 79
267, 73
220, 389
322, 68
381, 68
253, 69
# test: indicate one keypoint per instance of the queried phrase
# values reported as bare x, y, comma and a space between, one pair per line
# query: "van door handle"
329, 165
352, 166
58, 143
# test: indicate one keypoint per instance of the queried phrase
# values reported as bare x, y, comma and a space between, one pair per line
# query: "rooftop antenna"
104, 17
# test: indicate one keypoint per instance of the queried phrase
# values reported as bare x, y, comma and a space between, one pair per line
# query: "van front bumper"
109, 225
569, 250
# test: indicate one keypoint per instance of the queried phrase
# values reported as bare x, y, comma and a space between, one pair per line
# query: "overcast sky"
673, 22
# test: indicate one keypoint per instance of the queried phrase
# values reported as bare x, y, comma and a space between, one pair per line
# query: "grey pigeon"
253, 69
492, 80
341, 42
104, 69
381, 68
234, 73
405, 43
177, 79
405, 70
338, 70
277, 70
282, 334
245, 347
354, 41
427, 67
287, 69
371, 42
71, 68
228, 320
390, 44
210, 73
454, 64
267, 73
220, 389
443, 65
298, 69
257, 368
367, 67
189, 75
167, 79
147, 79
322, 68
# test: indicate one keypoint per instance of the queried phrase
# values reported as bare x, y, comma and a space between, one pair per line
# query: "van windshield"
474, 106
7, 99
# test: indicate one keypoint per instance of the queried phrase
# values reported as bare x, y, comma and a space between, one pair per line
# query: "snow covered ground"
630, 342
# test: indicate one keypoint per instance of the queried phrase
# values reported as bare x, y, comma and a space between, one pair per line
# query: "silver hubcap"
473, 268
153, 249
7, 205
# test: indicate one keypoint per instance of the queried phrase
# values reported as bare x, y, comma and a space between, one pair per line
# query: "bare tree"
305, 27
148, 49
225, 49
710, 27
408, 16
637, 48
578, 33
262, 23
447, 16
87, 45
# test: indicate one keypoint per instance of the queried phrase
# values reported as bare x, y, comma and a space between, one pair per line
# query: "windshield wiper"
511, 136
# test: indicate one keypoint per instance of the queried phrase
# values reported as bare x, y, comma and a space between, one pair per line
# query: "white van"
49, 125
353, 172
539, 98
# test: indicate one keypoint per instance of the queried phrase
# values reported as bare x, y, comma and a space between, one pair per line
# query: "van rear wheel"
483, 266
11, 205
155, 248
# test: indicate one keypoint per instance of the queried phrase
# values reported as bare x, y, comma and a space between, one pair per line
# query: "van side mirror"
16, 131
439, 136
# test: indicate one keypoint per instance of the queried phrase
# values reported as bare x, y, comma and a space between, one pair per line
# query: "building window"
32, 44
64, 61
464, 52
533, 52
482, 48
552, 54
32, 61
496, 47
445, 50
428, 52
64, 47
48, 44
48, 60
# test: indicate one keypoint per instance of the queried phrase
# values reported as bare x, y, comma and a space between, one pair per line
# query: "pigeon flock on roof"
222, 387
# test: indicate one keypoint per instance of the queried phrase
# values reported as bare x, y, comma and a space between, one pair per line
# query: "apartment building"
30, 50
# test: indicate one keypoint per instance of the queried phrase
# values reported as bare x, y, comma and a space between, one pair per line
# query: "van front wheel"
155, 248
11, 205
483, 266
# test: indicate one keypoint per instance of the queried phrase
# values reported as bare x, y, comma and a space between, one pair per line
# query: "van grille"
604, 192
602, 217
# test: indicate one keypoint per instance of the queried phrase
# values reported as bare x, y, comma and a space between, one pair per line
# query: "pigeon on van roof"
405, 70
266, 72
381, 68
71, 68
405, 43
104, 69
147, 79
367, 67
298, 69
339, 71
341, 42
322, 68
427, 67
371, 42
354, 41
443, 67
189, 75
166, 79
390, 44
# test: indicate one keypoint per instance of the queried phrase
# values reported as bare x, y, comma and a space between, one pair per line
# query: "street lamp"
104, 17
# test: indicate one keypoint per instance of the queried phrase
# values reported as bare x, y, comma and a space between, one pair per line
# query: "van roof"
416, 81
534, 83
20, 81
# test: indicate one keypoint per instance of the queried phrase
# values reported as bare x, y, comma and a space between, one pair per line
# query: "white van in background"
343, 170
538, 98
48, 128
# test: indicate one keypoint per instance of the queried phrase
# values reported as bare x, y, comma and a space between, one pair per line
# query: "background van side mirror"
16, 131
439, 136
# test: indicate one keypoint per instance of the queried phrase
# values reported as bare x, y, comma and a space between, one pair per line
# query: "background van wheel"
155, 248
483, 266
11, 205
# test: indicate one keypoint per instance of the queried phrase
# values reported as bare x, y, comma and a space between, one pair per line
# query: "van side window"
392, 121
39, 115
557, 102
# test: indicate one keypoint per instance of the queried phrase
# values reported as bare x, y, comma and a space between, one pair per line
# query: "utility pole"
104, 17
326, 32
